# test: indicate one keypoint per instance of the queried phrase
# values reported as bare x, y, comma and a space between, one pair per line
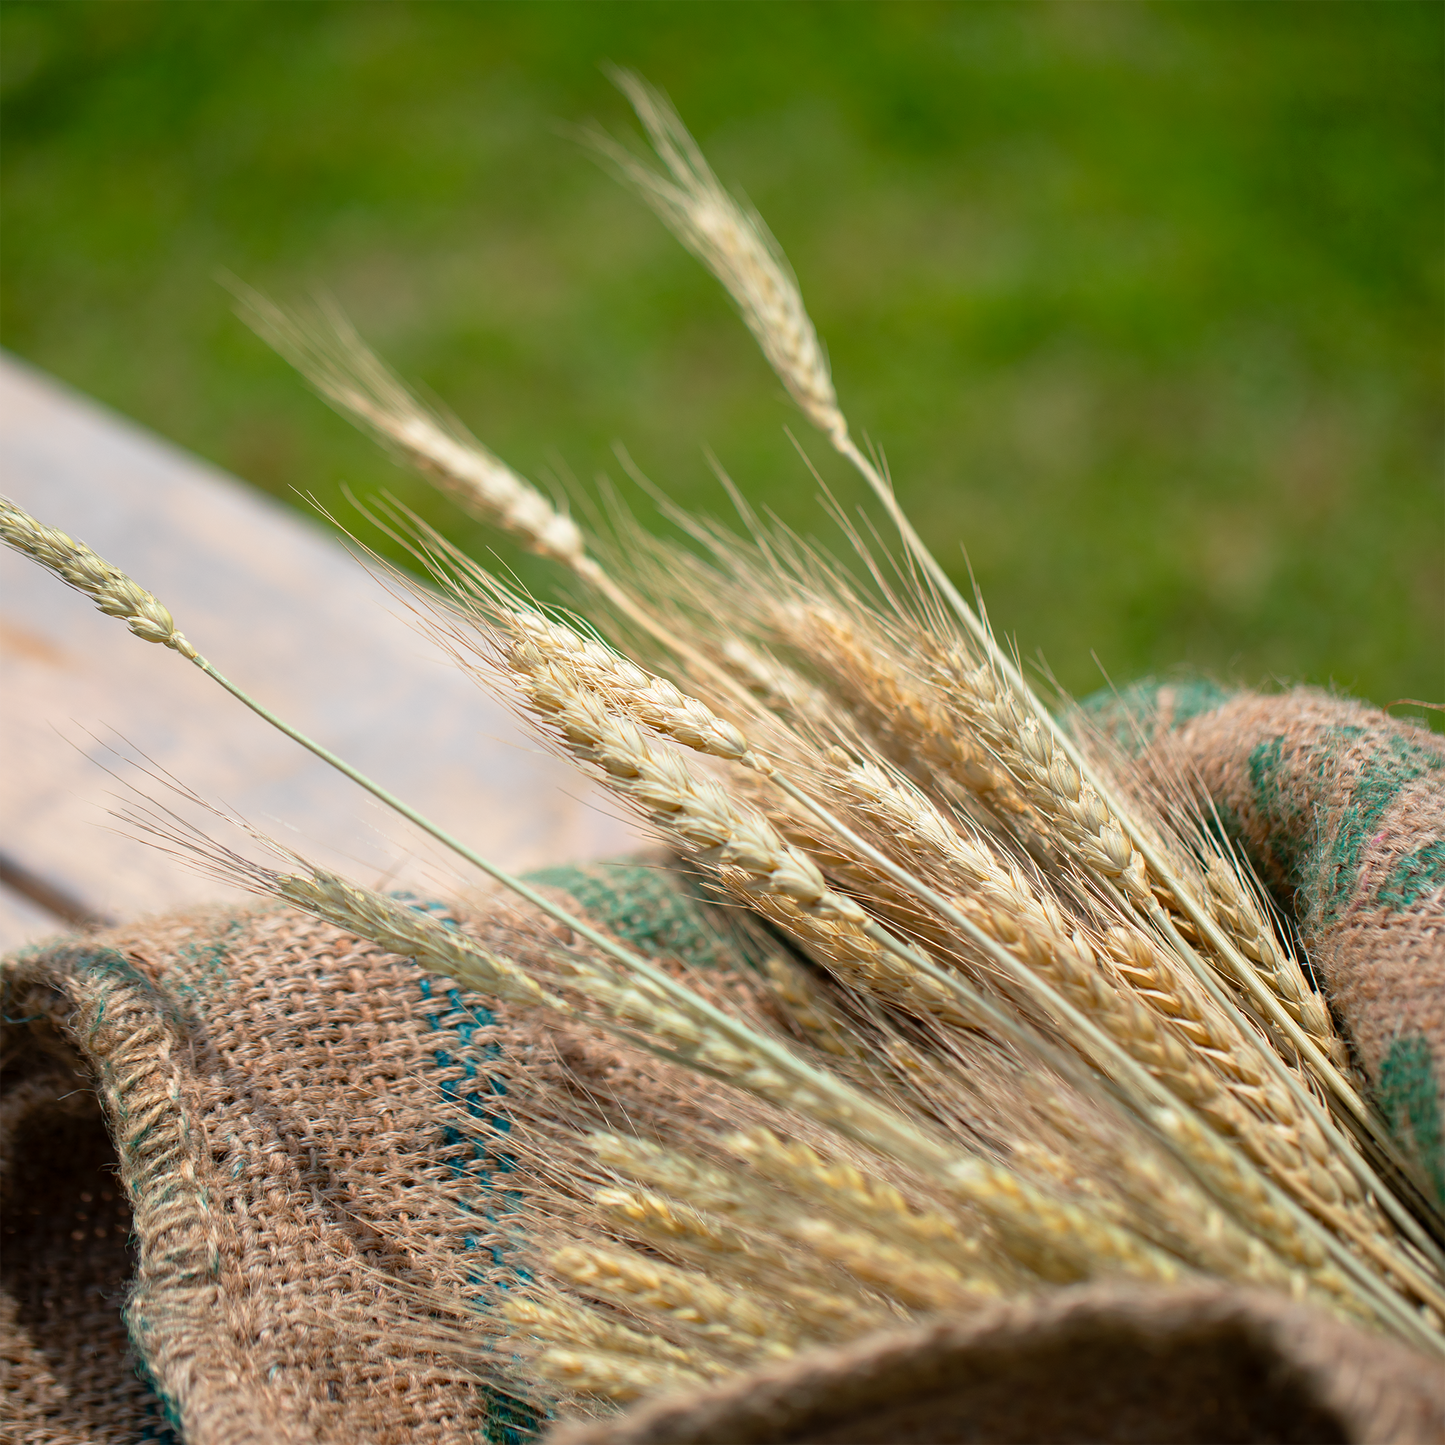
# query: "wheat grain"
326, 349
109, 588
732, 243
621, 1378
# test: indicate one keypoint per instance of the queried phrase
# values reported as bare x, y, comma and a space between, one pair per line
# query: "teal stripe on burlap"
476, 1151
1130, 716
661, 912
1409, 1098
1417, 875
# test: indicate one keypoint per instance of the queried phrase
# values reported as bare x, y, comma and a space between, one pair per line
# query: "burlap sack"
1341, 808
238, 1148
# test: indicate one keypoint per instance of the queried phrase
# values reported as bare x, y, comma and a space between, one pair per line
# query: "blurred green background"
1143, 301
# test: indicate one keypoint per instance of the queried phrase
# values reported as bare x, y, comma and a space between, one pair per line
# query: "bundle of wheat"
1025, 1017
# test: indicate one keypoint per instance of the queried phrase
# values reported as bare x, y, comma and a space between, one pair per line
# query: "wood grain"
278, 605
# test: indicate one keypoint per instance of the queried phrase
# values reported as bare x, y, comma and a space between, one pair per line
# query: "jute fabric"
240, 1148
243, 1151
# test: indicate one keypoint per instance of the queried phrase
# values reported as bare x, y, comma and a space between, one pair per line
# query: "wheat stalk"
733, 243
1106, 835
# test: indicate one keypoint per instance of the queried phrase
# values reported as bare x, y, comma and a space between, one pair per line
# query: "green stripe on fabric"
476, 1154
1409, 1098
648, 907
1130, 715
1414, 877
1382, 776
164, 1425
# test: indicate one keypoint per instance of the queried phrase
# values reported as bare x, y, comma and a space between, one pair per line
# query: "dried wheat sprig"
652, 700
727, 1317
554, 1318
908, 719
1116, 836
1187, 1219
747, 1256
812, 1187
326, 349
682, 1175
779, 688
1052, 1239
706, 820
109, 588
914, 1280
578, 687
621, 1378
559, 1319
842, 1188
405, 931
808, 1007
1238, 913
732, 243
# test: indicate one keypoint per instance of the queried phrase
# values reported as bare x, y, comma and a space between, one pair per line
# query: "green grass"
1143, 301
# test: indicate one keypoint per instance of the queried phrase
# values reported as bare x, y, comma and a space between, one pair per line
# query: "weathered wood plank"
279, 606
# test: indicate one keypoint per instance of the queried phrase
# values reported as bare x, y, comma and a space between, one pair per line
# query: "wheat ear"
711, 822
556, 1318
690, 205
620, 1377
326, 349
733, 244
108, 587
747, 1256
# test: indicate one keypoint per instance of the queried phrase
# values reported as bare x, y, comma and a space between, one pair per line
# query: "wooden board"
278, 605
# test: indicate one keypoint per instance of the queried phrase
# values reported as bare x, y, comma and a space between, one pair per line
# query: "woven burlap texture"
239, 1149
303, 1136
